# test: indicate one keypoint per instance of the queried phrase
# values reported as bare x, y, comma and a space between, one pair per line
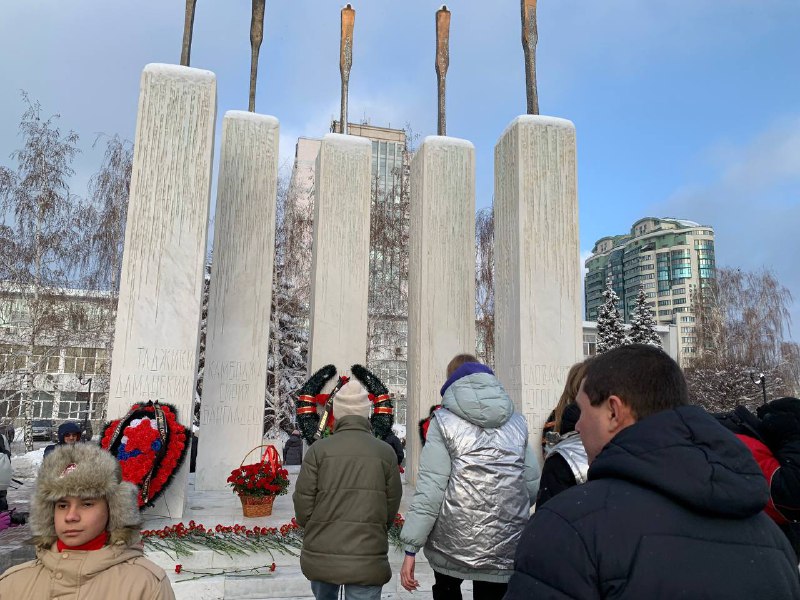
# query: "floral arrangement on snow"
150, 445
265, 478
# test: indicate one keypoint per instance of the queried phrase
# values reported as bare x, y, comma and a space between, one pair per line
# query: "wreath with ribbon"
150, 446
310, 398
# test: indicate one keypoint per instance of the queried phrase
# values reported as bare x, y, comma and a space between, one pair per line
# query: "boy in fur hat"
346, 497
85, 521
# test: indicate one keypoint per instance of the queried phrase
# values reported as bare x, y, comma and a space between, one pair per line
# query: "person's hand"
407, 574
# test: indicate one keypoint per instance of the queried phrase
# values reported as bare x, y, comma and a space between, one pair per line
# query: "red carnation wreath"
150, 446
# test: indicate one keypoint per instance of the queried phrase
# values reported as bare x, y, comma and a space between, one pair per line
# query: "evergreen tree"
643, 325
288, 353
610, 329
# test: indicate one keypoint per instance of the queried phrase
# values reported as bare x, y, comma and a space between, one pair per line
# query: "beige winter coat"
117, 572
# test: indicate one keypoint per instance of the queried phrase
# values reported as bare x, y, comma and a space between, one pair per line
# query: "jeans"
449, 588
330, 591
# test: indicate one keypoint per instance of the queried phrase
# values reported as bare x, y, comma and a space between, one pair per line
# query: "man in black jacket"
673, 507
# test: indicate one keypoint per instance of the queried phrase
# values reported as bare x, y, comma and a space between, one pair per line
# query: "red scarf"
94, 544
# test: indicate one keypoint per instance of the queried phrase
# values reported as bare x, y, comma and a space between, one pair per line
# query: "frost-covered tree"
484, 284
610, 328
287, 357
742, 325
643, 324
39, 210
201, 352
289, 314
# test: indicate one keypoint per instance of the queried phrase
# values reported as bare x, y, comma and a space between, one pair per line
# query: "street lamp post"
762, 381
88, 401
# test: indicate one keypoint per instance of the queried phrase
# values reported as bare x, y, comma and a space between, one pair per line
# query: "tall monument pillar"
537, 277
158, 314
441, 278
340, 255
240, 293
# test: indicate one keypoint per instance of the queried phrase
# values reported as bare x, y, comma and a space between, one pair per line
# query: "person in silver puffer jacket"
477, 480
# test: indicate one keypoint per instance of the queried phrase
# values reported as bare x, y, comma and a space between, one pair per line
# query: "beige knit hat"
352, 399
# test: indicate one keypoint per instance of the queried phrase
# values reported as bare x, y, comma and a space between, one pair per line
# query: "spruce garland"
382, 417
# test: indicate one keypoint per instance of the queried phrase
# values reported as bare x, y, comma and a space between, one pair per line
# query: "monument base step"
287, 582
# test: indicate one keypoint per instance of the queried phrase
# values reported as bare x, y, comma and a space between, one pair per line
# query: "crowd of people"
640, 495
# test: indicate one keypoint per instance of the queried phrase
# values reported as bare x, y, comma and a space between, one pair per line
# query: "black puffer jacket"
293, 450
672, 509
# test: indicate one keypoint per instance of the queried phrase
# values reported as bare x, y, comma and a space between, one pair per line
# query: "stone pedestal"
537, 277
158, 315
441, 282
340, 260
232, 412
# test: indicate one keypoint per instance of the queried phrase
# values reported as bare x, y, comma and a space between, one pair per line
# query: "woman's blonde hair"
574, 377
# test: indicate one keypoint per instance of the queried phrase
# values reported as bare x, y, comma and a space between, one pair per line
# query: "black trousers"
449, 588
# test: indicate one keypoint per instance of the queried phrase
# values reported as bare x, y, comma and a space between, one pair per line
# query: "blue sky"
689, 108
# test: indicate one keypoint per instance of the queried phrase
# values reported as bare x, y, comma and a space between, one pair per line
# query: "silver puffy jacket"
477, 480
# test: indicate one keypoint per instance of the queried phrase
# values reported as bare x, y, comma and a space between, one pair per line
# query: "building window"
679, 300
687, 319
589, 344
85, 360
664, 302
687, 329
664, 313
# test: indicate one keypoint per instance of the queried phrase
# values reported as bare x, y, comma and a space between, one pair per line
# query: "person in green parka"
346, 497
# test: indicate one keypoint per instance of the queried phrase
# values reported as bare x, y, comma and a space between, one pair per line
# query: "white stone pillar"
158, 314
441, 278
235, 375
340, 256
537, 301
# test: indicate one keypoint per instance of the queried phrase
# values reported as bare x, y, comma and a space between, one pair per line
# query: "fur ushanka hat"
85, 471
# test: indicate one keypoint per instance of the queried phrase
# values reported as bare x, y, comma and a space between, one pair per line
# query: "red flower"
272, 567
178, 568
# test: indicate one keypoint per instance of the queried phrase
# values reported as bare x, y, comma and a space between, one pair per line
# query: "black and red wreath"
310, 398
150, 445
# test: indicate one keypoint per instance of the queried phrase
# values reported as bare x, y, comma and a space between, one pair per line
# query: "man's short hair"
458, 360
643, 376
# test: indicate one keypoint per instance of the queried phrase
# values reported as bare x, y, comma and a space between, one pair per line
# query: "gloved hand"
780, 421
5, 520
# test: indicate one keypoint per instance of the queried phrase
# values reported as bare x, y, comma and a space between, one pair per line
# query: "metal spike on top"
346, 60
256, 37
442, 62
530, 37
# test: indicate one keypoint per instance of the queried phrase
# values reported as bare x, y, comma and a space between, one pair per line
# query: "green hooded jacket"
346, 497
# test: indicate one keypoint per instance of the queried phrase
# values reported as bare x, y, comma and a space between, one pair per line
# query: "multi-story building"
71, 347
670, 258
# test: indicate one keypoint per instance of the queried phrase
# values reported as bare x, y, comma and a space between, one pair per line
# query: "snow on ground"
26, 466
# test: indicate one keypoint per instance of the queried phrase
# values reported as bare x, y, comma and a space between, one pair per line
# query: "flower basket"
256, 506
258, 483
